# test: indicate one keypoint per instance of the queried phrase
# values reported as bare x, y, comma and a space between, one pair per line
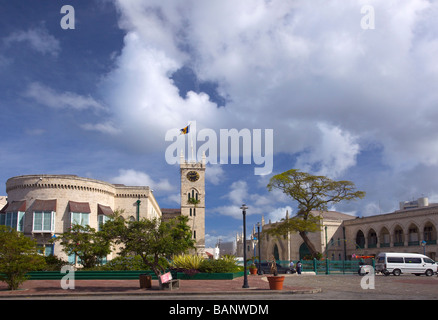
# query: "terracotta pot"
276, 282
253, 270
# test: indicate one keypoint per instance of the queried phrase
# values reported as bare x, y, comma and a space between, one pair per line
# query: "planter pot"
253, 270
276, 282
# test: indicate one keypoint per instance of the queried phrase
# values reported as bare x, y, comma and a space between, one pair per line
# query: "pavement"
258, 284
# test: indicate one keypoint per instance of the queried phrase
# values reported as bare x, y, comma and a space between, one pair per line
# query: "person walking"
299, 266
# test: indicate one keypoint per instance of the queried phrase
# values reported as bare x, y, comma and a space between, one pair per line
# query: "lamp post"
259, 269
245, 276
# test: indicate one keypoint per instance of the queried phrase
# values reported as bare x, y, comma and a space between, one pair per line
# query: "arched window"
385, 238
372, 239
413, 235
360, 239
399, 238
193, 194
429, 233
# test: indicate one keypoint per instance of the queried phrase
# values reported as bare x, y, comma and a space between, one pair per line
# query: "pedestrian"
292, 270
299, 266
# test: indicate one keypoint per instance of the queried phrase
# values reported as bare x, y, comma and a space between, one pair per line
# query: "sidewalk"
47, 288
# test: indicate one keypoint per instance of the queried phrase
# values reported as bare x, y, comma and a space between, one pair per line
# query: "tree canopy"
313, 194
18, 256
150, 239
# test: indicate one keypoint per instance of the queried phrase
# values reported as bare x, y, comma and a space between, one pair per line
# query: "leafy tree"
18, 256
313, 193
152, 240
89, 245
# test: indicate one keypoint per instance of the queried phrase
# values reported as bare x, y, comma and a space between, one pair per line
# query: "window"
46, 250
101, 220
395, 260
80, 218
412, 260
43, 221
14, 220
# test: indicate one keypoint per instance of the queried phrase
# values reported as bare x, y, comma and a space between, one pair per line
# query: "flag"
185, 130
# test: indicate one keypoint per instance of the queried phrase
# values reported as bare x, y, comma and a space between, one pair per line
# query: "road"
333, 287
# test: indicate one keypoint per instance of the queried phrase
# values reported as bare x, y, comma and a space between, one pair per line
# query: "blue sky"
343, 101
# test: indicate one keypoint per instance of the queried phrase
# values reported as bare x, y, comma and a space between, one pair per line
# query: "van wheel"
396, 272
429, 273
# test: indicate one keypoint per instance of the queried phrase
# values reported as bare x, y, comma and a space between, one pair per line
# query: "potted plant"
275, 281
252, 268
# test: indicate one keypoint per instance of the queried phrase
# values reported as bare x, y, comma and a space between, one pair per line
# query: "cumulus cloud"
332, 154
314, 76
130, 177
45, 95
38, 39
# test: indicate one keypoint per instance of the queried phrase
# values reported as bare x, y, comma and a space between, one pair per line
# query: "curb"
165, 293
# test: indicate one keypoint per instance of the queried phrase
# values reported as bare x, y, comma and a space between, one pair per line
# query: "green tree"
152, 240
89, 245
18, 256
313, 193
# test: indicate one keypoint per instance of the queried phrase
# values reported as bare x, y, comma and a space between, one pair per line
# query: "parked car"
266, 268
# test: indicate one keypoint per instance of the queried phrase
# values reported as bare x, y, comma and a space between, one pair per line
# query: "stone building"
43, 206
413, 228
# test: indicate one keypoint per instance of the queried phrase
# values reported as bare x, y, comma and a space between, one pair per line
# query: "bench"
167, 283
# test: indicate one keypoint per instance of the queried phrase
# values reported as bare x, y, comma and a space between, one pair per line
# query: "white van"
398, 263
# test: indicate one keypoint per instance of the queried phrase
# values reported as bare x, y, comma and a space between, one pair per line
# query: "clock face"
193, 176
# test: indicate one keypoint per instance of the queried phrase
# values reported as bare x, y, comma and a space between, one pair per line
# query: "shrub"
128, 263
53, 263
187, 262
219, 266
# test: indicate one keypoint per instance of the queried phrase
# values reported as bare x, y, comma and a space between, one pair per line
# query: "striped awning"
83, 207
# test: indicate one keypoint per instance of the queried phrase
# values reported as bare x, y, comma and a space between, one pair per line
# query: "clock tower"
193, 198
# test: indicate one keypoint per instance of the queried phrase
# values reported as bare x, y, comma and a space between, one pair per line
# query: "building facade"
411, 229
44, 206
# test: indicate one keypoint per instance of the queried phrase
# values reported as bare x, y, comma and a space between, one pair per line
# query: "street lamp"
259, 271
245, 276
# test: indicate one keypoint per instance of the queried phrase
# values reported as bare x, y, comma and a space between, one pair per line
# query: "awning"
105, 210
14, 206
44, 205
82, 207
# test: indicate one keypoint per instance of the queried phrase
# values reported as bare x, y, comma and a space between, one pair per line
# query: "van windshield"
380, 259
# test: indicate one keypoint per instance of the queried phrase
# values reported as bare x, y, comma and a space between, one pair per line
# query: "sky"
347, 87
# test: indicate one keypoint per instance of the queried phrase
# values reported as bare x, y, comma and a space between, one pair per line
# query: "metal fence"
328, 266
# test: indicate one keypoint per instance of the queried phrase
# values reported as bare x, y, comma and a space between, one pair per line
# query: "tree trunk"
309, 244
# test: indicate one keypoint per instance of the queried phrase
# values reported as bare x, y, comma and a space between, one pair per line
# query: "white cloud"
330, 90
283, 65
47, 96
278, 214
39, 39
130, 177
106, 128
332, 154
214, 174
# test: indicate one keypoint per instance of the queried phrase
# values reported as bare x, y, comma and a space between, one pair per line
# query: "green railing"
327, 266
